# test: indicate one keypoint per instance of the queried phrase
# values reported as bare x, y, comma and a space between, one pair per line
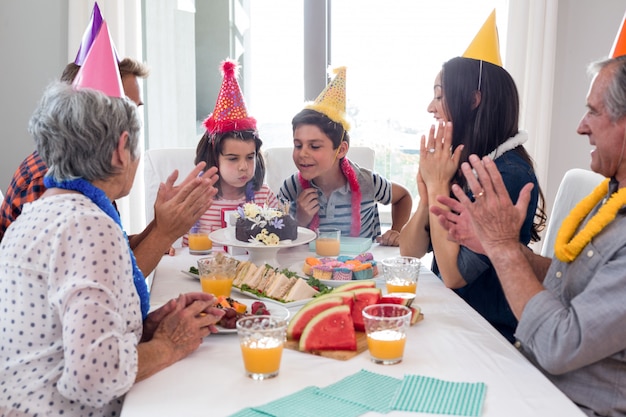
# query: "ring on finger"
431, 150
480, 194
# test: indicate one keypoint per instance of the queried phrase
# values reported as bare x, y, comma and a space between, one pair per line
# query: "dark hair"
482, 128
332, 129
127, 66
210, 148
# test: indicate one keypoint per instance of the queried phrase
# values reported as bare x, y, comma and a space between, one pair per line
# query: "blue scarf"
100, 199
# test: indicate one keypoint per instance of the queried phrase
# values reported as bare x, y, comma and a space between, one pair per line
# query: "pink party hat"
230, 112
91, 31
619, 46
100, 70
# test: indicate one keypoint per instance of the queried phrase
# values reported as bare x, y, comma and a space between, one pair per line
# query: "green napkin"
308, 403
431, 395
370, 390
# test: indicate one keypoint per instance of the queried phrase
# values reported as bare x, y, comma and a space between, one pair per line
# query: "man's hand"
495, 219
458, 223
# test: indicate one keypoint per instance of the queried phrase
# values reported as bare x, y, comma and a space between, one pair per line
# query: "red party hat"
619, 46
230, 112
100, 70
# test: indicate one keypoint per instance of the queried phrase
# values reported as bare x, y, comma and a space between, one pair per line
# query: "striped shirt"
336, 210
211, 220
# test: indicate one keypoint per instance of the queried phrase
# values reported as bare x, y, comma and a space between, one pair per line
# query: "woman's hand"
155, 318
192, 319
438, 163
307, 206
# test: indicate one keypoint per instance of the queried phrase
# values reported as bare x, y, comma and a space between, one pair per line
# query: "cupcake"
344, 258
342, 274
363, 271
374, 267
364, 257
309, 263
322, 272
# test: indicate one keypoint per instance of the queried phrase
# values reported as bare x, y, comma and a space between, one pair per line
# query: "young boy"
331, 191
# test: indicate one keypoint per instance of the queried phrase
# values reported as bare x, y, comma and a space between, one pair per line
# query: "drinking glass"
385, 326
401, 273
328, 242
199, 242
216, 278
261, 339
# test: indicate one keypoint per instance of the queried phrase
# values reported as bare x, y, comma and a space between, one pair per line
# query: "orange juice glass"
401, 273
386, 326
216, 278
328, 242
261, 339
199, 243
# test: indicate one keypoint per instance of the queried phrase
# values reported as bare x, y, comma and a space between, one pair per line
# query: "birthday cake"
342, 268
265, 225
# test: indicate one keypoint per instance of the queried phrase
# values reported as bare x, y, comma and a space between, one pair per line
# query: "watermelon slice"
353, 285
347, 296
402, 298
415, 314
330, 330
363, 297
308, 312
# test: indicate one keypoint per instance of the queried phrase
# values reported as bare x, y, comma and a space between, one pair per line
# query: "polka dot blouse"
70, 319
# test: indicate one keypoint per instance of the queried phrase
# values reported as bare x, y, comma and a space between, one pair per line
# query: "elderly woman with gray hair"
76, 333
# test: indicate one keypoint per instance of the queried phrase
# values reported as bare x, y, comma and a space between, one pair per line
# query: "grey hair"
76, 131
615, 96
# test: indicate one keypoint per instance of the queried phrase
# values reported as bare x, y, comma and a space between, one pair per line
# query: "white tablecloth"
453, 343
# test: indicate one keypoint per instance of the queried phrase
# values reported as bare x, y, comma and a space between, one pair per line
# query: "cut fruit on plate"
402, 298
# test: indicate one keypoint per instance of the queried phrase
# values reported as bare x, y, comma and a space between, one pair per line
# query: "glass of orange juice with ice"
216, 278
261, 339
401, 273
328, 242
385, 327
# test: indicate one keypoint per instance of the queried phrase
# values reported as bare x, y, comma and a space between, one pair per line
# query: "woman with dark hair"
480, 99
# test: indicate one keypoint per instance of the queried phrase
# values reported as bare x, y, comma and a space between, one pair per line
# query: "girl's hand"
307, 206
438, 163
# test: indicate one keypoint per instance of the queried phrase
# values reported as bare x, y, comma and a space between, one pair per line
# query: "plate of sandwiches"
267, 283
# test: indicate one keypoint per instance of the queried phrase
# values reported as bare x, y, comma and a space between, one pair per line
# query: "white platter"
256, 297
259, 253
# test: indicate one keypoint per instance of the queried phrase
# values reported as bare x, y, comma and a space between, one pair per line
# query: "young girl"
329, 190
232, 144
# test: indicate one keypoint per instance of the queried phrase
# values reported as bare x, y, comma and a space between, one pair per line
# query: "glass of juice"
199, 242
261, 339
385, 327
328, 242
401, 273
216, 278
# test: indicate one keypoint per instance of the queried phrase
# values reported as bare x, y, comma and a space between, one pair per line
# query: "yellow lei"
567, 248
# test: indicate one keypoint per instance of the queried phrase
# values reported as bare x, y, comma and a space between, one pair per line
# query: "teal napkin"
248, 412
308, 403
431, 395
370, 390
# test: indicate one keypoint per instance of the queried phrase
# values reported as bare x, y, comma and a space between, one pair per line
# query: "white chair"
279, 163
158, 165
576, 184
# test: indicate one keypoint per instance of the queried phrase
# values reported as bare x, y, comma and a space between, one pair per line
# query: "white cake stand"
259, 253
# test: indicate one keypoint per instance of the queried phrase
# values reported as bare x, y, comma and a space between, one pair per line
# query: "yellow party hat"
332, 101
619, 46
485, 45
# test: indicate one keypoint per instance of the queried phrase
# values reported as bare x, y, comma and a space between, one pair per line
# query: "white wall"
34, 39
33, 47
586, 32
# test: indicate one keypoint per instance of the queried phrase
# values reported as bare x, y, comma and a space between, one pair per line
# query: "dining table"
452, 343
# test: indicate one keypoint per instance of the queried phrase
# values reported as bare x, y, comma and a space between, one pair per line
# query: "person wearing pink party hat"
330, 190
173, 217
232, 143
77, 331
